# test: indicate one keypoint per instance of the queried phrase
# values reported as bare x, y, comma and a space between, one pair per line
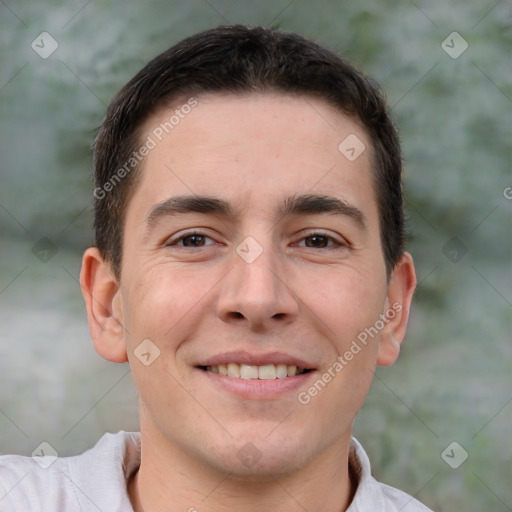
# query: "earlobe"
101, 294
401, 288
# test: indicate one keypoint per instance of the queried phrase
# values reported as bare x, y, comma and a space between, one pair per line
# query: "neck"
170, 480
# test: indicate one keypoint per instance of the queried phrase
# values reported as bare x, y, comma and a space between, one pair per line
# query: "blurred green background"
452, 382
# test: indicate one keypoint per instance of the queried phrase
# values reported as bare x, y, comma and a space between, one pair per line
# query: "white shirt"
96, 481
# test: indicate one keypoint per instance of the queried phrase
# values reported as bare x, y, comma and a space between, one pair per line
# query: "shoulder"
373, 495
82, 482
398, 501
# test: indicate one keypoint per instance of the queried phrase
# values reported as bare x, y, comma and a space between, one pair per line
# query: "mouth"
256, 372
256, 375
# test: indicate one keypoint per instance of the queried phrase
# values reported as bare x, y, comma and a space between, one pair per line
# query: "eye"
191, 240
319, 241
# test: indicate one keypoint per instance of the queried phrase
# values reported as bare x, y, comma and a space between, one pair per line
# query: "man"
249, 265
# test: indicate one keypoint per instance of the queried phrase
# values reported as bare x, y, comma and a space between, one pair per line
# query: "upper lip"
254, 359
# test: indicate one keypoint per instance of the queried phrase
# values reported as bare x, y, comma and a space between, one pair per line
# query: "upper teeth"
246, 371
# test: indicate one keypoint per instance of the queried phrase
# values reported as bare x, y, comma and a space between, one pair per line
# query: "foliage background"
452, 382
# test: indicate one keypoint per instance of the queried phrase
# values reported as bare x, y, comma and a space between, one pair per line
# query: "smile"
248, 372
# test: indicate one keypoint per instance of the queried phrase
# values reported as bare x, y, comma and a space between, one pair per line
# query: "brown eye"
317, 241
320, 241
192, 240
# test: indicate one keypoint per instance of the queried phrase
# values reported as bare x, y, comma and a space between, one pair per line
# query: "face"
252, 248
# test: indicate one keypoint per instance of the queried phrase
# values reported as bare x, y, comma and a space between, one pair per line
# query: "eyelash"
336, 243
175, 242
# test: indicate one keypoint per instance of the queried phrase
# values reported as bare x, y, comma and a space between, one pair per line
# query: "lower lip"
259, 389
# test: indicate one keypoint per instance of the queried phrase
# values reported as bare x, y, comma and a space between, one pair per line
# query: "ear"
102, 299
401, 287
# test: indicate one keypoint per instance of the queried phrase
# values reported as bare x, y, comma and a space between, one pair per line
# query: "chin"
259, 459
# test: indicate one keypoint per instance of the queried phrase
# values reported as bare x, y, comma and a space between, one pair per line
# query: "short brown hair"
239, 59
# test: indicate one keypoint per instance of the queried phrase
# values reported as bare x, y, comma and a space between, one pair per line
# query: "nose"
257, 294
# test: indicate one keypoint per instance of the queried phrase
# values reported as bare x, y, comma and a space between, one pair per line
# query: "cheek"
157, 309
163, 303
352, 303
348, 300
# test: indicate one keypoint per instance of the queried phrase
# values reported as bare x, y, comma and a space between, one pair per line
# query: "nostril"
277, 316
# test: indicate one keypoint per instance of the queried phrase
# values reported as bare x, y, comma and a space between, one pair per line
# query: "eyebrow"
305, 204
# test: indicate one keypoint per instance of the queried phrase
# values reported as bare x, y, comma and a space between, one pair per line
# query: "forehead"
253, 149
251, 115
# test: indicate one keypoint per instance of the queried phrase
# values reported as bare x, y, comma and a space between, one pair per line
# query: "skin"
305, 297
